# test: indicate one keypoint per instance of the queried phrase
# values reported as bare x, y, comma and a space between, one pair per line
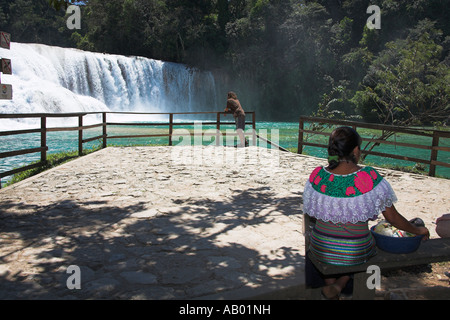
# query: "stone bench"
430, 251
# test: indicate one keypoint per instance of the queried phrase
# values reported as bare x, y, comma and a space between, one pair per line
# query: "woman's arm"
397, 220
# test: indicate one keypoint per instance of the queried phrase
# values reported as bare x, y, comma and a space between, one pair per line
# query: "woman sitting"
343, 197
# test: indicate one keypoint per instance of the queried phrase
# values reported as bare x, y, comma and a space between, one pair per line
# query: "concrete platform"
172, 223
158, 223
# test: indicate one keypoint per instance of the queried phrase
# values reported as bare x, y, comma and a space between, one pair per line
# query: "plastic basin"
396, 244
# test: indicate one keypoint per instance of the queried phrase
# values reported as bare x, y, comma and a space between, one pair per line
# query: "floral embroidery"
350, 191
344, 186
314, 174
354, 197
373, 174
353, 208
363, 181
317, 180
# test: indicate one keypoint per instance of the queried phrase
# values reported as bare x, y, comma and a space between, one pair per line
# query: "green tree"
286, 57
407, 84
34, 21
58, 4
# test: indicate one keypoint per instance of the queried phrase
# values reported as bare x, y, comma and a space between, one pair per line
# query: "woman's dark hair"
341, 144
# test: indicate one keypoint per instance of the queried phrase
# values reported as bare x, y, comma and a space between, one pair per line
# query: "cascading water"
50, 79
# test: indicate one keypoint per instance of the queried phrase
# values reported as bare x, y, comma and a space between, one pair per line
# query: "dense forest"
284, 58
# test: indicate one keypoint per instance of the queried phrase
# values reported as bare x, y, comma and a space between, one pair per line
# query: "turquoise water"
283, 133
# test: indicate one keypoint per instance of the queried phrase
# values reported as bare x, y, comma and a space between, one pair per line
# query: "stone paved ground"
171, 223
156, 223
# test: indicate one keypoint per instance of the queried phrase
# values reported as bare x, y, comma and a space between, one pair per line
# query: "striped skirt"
343, 251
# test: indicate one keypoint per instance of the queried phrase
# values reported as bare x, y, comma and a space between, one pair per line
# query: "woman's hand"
422, 231
397, 220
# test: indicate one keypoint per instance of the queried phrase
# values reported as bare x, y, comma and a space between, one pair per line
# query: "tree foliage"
284, 58
408, 82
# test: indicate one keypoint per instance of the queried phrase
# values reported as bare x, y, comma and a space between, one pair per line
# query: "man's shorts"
240, 123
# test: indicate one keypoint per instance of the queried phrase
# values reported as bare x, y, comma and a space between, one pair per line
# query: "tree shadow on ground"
191, 249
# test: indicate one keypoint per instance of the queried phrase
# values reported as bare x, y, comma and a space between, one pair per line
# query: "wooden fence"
104, 136
432, 162
434, 147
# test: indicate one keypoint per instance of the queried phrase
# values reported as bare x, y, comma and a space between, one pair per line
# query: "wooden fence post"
80, 135
44, 139
254, 128
218, 136
300, 136
104, 129
434, 153
170, 128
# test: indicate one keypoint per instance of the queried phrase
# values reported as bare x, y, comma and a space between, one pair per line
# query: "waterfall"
48, 79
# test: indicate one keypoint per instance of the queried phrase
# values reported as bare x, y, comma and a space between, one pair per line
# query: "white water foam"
48, 79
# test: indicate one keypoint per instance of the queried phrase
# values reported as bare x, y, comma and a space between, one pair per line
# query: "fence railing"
434, 147
104, 136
